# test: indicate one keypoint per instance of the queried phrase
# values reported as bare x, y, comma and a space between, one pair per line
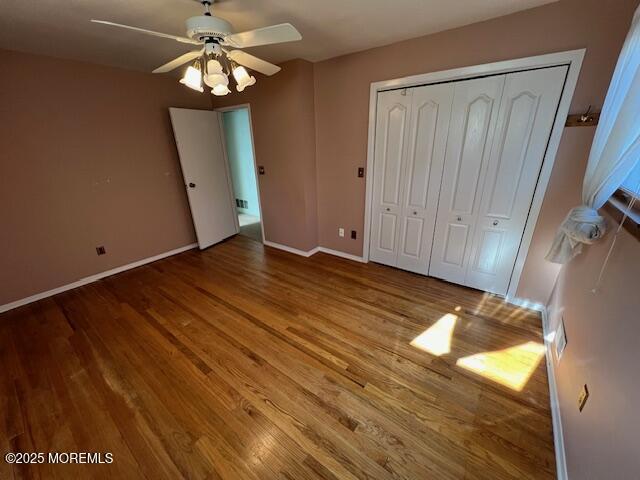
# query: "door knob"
415, 213
192, 185
388, 209
495, 222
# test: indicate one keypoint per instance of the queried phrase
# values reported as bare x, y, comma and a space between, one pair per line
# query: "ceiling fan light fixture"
213, 66
215, 76
213, 79
243, 79
220, 90
193, 78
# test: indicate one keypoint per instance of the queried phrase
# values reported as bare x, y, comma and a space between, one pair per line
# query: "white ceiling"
329, 28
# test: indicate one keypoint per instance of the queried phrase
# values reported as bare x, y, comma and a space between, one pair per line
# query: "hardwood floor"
245, 362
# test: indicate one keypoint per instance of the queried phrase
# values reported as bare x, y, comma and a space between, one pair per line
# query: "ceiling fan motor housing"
201, 27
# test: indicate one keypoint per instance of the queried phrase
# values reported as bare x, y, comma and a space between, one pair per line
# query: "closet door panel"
412, 238
431, 112
387, 234
455, 244
421, 155
392, 130
527, 112
466, 170
473, 120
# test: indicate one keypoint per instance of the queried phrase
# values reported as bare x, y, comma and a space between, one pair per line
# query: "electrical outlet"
582, 398
341, 232
353, 234
101, 250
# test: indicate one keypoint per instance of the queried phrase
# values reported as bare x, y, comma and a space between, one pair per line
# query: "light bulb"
243, 79
192, 79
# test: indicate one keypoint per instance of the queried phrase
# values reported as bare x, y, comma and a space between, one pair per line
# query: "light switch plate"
341, 232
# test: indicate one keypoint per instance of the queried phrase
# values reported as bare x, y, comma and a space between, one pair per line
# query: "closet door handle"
415, 213
495, 222
388, 209
459, 219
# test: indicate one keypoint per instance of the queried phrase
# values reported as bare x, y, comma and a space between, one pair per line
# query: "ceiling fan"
215, 61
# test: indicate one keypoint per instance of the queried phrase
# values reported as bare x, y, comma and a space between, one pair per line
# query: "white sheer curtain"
614, 153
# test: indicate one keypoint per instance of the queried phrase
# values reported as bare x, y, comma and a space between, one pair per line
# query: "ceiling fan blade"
149, 32
285, 32
176, 62
254, 63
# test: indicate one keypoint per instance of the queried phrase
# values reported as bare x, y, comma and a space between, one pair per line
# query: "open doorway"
236, 125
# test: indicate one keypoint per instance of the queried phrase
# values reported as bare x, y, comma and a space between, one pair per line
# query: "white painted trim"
227, 167
556, 419
571, 58
520, 302
93, 278
255, 161
313, 251
340, 254
558, 438
295, 251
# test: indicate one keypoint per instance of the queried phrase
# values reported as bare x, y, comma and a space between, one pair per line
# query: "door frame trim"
231, 108
572, 58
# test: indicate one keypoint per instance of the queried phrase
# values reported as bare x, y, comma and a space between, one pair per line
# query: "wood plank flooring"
245, 362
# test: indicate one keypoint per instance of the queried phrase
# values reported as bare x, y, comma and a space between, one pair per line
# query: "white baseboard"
558, 437
291, 249
340, 254
519, 302
313, 251
93, 278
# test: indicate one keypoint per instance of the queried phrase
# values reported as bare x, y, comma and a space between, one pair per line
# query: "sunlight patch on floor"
436, 339
511, 367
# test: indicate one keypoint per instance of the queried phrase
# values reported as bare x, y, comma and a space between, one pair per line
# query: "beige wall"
603, 332
87, 158
282, 114
342, 105
102, 136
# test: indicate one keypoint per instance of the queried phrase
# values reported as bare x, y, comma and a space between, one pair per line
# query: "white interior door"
392, 132
527, 111
430, 114
206, 174
473, 119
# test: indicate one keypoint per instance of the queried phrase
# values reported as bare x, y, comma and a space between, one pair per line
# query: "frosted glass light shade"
213, 66
243, 79
213, 79
220, 90
192, 79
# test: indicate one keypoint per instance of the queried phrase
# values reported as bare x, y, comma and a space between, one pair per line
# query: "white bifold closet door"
411, 132
499, 131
